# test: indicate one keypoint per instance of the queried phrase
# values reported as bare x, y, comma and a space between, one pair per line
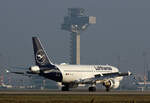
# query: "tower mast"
75, 22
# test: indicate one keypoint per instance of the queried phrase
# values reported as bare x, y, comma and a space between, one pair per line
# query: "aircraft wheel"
107, 89
65, 88
92, 89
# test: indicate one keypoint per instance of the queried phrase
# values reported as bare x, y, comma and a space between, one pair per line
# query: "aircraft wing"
18, 72
102, 77
27, 73
113, 75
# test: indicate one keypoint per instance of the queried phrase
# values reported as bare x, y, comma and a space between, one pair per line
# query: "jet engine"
111, 84
35, 69
116, 84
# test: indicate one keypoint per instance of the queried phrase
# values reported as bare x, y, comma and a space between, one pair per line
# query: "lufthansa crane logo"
40, 57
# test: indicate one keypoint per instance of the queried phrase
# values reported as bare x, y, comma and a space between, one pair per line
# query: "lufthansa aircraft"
71, 76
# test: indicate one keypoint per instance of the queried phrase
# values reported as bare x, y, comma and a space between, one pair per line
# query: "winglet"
7, 71
129, 73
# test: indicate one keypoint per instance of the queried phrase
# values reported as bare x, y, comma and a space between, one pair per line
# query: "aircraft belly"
71, 77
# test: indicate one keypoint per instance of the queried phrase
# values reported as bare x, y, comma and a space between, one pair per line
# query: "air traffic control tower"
75, 22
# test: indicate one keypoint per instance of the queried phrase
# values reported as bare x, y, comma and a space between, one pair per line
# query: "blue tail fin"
41, 58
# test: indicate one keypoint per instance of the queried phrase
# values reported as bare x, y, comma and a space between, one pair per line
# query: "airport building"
75, 22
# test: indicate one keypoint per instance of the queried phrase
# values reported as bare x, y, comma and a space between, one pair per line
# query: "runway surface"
72, 92
74, 96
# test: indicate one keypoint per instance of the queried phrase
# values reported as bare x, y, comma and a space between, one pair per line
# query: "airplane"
71, 76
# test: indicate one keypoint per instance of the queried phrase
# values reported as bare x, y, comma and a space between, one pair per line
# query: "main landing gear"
92, 89
65, 88
107, 89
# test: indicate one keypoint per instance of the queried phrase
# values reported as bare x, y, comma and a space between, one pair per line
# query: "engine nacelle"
116, 84
34, 69
111, 84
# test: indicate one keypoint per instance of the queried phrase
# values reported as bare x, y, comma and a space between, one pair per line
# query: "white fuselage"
72, 73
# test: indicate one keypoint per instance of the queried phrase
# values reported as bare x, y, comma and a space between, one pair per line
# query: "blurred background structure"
75, 22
